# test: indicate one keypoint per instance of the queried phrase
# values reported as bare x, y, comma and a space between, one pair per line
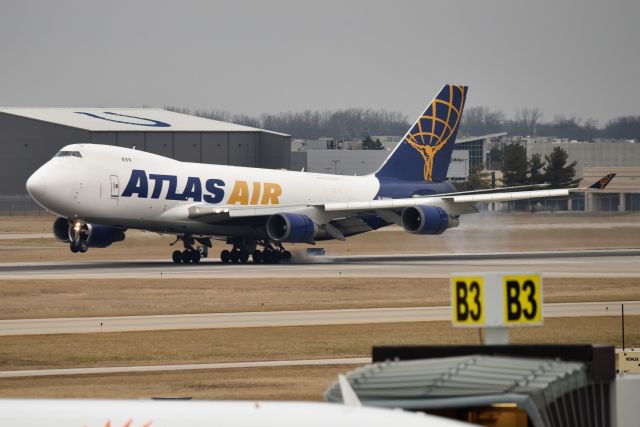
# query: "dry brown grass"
26, 224
290, 383
278, 343
26, 299
487, 232
69, 298
206, 346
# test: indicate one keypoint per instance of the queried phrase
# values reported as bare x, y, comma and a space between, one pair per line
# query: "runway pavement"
282, 318
595, 263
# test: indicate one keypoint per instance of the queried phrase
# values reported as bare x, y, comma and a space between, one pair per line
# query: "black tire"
83, 247
176, 256
186, 256
195, 257
225, 256
286, 256
268, 257
256, 256
73, 248
244, 257
235, 256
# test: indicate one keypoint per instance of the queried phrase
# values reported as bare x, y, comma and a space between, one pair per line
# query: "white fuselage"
141, 413
93, 188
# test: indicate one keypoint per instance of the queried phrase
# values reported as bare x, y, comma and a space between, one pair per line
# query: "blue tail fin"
424, 153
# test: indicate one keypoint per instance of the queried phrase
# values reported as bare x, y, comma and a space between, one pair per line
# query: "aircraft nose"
37, 186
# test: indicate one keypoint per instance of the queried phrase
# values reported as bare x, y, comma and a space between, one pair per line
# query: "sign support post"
497, 335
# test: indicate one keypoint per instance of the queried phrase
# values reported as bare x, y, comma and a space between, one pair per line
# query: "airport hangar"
31, 136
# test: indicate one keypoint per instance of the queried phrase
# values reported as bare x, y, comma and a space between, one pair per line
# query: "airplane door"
115, 186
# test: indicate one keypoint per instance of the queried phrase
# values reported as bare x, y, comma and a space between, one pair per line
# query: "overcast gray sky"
566, 57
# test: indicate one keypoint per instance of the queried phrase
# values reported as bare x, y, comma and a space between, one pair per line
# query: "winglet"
349, 397
603, 182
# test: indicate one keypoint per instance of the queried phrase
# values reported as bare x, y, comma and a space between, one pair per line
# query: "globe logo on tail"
437, 126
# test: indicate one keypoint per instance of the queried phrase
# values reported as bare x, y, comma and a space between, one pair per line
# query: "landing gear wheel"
256, 256
83, 247
195, 257
269, 257
235, 256
286, 256
225, 256
243, 257
177, 257
186, 256
73, 248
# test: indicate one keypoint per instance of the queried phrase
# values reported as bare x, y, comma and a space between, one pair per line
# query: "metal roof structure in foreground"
551, 392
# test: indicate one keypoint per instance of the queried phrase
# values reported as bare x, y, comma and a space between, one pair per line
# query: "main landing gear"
190, 254
272, 253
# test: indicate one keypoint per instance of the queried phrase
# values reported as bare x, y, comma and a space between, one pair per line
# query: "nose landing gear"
78, 236
190, 254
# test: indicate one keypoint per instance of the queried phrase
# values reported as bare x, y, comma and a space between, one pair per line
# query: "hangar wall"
28, 143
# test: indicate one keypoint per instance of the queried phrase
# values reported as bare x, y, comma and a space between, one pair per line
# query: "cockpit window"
68, 154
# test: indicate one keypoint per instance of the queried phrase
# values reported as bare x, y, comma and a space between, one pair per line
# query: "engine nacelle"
290, 227
61, 229
426, 220
91, 235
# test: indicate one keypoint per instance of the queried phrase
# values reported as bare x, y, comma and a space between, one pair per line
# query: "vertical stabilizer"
425, 151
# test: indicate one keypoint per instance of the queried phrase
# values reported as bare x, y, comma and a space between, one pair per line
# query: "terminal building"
589, 154
363, 162
31, 136
468, 153
595, 160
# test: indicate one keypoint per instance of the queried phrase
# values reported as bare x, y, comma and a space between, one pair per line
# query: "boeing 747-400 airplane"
100, 191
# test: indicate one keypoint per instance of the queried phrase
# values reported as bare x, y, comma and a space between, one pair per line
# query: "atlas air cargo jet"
100, 191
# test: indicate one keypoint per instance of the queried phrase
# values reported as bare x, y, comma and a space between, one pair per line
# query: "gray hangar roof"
128, 119
548, 390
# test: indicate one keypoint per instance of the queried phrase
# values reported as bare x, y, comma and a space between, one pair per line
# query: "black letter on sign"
462, 309
530, 314
513, 302
475, 315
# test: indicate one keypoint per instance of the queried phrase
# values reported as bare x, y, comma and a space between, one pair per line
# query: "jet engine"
290, 227
426, 220
82, 235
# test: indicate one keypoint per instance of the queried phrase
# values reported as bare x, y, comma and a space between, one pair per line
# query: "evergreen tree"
496, 157
478, 179
557, 172
514, 165
536, 169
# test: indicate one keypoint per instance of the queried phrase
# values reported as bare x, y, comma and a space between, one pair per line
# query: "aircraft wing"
451, 200
461, 203
208, 213
454, 203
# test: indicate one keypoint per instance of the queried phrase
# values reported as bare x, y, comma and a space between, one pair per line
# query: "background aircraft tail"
425, 151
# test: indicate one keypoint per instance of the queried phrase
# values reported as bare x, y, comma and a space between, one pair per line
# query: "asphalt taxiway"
594, 263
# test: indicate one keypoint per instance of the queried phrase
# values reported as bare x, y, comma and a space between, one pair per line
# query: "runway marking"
190, 367
281, 318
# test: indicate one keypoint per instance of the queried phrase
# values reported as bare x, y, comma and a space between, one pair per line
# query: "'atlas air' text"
213, 190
